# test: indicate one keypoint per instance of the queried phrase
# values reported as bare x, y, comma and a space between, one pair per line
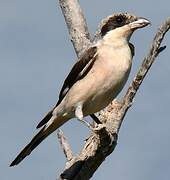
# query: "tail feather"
50, 127
37, 139
45, 119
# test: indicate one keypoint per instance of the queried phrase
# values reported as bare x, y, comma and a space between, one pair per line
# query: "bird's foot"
86, 124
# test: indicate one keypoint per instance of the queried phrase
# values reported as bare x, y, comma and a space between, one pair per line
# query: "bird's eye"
119, 19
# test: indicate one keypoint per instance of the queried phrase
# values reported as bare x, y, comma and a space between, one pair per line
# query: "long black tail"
50, 127
37, 139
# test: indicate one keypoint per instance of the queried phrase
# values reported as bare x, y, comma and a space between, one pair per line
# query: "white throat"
118, 36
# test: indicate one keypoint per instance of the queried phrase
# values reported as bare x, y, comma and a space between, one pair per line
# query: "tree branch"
76, 24
100, 144
154, 51
65, 145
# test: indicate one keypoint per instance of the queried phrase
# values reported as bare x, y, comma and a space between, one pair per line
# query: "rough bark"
76, 23
103, 142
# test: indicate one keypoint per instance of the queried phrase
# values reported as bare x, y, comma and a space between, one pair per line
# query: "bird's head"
121, 25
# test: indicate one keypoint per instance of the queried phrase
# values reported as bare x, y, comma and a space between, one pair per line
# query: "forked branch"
100, 144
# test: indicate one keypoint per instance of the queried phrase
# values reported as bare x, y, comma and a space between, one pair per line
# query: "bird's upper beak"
139, 23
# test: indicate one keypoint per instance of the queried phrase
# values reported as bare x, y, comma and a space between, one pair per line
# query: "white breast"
114, 65
103, 82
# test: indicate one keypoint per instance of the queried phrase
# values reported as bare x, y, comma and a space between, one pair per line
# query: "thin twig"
65, 145
154, 51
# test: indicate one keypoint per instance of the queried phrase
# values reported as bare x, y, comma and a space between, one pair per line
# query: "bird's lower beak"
139, 23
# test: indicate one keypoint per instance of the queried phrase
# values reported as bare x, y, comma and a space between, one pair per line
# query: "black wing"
79, 70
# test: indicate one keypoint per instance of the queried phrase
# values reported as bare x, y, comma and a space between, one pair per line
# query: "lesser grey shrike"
95, 80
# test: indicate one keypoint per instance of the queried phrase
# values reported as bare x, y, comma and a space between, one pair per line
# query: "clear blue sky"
35, 56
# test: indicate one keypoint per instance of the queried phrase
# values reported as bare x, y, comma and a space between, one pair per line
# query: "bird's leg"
95, 118
79, 116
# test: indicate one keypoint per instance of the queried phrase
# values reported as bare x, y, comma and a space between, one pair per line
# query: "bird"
96, 78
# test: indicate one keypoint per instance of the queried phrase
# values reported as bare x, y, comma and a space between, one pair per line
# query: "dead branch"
65, 145
76, 24
100, 144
